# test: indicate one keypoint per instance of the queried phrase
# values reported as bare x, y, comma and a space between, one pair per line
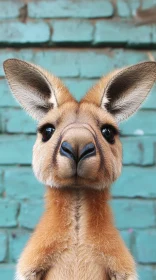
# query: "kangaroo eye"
109, 133
47, 132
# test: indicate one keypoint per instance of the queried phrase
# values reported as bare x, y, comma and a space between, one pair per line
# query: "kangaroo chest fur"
79, 261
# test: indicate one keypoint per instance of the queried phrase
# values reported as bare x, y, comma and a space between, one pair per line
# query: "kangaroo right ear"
34, 88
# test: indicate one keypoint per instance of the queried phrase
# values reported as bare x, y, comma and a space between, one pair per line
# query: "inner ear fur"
34, 88
123, 91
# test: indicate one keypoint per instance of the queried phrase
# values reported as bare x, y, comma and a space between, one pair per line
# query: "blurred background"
78, 40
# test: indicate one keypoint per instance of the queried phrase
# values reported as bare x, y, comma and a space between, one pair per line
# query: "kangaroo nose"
67, 151
86, 152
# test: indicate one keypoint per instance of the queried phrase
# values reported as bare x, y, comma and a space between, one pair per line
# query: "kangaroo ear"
34, 88
122, 92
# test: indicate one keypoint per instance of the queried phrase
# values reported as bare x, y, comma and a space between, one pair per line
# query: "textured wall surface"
78, 41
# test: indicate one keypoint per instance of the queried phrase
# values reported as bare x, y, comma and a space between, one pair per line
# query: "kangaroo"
77, 155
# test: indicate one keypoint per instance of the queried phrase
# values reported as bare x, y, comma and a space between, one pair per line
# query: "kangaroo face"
78, 144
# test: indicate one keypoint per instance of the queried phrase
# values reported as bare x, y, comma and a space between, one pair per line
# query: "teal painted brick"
123, 8
16, 121
61, 63
8, 210
138, 150
16, 149
146, 272
7, 271
95, 64
69, 8
17, 242
72, 31
146, 246
20, 183
30, 32
1, 181
111, 32
154, 34
30, 214
121, 33
131, 213
141, 123
136, 182
127, 237
79, 87
124, 58
10, 9
140, 35
3, 245
5, 96
150, 102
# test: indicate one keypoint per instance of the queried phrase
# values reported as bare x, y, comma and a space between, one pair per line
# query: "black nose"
67, 151
88, 151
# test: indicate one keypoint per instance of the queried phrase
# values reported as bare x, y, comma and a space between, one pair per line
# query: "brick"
17, 242
141, 123
30, 214
95, 64
7, 271
154, 34
16, 121
123, 8
146, 246
146, 272
8, 210
5, 96
20, 183
127, 237
18, 32
69, 8
120, 32
111, 32
60, 63
124, 58
79, 87
3, 246
140, 35
150, 102
16, 149
72, 31
128, 213
1, 181
138, 150
10, 9
136, 182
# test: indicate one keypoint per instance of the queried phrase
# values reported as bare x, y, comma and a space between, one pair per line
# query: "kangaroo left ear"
124, 91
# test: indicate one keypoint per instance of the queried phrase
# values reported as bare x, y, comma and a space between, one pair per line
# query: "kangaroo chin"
77, 155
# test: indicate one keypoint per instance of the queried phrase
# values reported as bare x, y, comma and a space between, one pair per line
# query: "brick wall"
78, 41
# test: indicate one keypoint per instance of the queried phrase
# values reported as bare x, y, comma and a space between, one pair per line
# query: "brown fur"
76, 238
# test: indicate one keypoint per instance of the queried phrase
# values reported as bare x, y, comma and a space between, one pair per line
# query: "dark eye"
109, 133
47, 132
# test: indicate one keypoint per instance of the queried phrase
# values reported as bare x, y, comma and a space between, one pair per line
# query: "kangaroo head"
78, 143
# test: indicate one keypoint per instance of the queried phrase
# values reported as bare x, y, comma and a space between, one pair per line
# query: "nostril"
67, 151
88, 151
